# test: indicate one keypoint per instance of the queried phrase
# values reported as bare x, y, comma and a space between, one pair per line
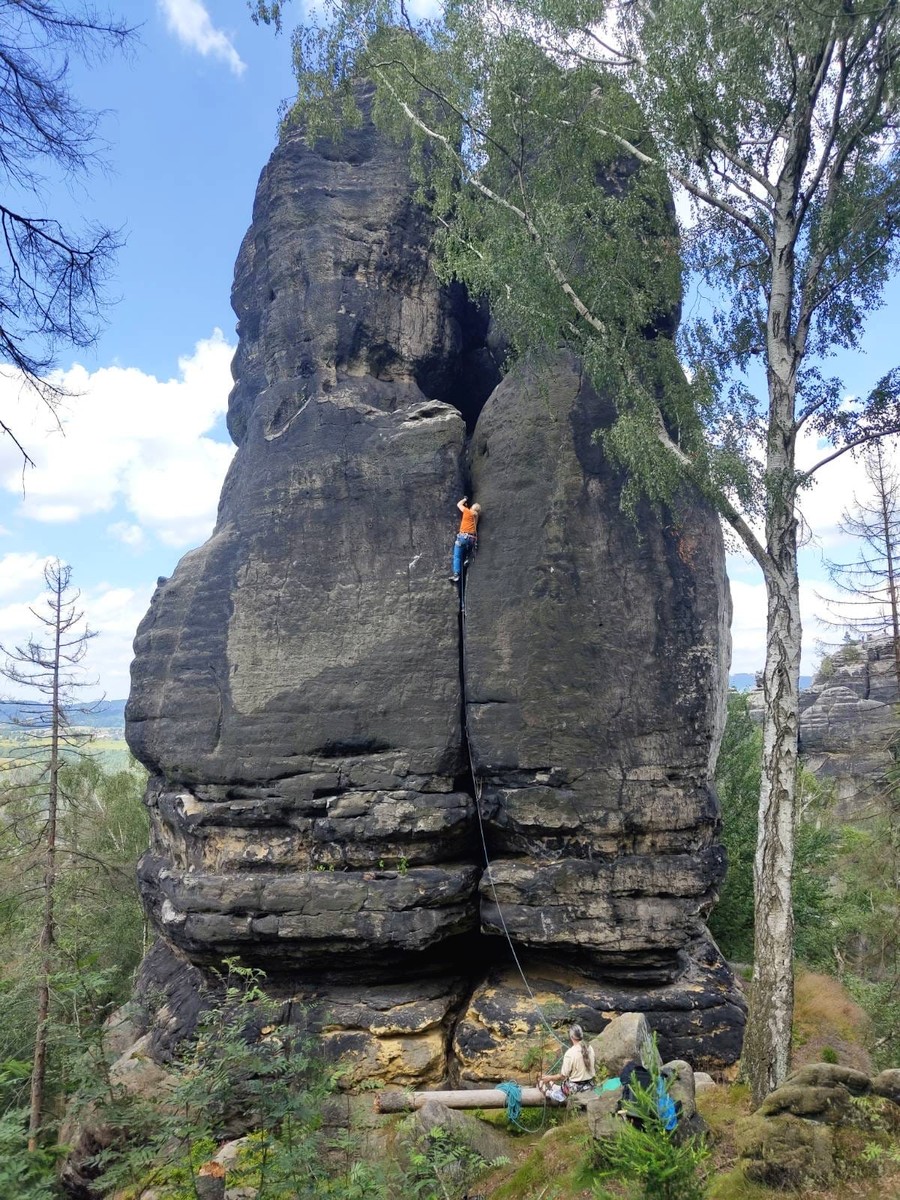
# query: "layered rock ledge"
334, 744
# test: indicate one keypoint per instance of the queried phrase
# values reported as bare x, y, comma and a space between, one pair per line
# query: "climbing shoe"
455, 578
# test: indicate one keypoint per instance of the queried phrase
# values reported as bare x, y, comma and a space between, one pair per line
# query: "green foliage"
245, 1066
737, 781
99, 926
546, 149
23, 1175
444, 1166
867, 915
738, 775
661, 1165
238, 1065
826, 668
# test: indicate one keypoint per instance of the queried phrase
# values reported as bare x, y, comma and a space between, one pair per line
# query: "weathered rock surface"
807, 1131
849, 722
699, 1016
621, 1042
311, 714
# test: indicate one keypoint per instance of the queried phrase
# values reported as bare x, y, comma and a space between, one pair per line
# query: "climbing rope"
478, 785
513, 1093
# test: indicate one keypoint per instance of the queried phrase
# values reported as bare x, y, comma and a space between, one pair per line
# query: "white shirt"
573, 1067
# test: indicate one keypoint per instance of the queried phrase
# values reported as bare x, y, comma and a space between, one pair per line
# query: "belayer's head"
576, 1033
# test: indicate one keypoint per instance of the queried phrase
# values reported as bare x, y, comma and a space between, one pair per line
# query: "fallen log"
395, 1102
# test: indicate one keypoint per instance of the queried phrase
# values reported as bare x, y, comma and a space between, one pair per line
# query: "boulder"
887, 1084
703, 1082
601, 1113
828, 1104
228, 1154
622, 1041
829, 1075
679, 1076
480, 1138
789, 1152
121, 1029
795, 1139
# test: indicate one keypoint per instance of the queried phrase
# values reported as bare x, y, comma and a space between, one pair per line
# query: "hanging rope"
478, 788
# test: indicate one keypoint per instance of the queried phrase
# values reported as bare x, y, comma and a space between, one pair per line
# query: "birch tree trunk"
766, 1056
767, 1043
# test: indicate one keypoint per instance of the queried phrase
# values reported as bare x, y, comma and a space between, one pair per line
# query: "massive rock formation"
334, 744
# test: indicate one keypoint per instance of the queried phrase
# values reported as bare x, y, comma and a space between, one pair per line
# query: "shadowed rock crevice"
315, 724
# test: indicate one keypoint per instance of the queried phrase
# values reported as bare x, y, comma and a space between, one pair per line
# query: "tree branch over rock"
778, 127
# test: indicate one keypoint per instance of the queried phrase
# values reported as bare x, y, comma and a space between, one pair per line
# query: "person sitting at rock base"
467, 538
577, 1071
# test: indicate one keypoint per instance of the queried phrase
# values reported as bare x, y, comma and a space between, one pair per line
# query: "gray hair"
576, 1032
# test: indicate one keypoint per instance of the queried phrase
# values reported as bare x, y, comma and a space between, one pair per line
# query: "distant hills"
105, 714
744, 682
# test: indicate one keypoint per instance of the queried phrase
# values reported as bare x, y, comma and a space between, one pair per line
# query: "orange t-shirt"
469, 522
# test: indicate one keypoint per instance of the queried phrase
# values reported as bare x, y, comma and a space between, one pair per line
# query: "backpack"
669, 1110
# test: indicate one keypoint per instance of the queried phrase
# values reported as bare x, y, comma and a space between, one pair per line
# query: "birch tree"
548, 137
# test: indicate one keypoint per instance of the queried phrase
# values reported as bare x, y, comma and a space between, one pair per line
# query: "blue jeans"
463, 544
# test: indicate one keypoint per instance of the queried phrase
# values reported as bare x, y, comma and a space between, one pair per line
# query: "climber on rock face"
467, 538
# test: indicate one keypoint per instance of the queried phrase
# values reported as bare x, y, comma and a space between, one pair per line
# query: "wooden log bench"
396, 1102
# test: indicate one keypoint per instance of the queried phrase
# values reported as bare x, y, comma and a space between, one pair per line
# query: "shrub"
661, 1165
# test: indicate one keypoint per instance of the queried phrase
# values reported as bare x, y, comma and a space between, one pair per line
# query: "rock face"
848, 724
334, 744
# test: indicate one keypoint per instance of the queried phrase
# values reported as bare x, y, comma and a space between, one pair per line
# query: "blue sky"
190, 116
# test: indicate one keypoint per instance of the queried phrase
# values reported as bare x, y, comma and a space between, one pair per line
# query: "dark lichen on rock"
329, 743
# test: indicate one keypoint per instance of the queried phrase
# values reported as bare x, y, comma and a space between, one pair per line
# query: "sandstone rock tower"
332, 747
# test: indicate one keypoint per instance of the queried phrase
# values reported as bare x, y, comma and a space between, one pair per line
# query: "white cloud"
127, 534
748, 624
834, 488
822, 505
20, 570
131, 440
113, 611
191, 23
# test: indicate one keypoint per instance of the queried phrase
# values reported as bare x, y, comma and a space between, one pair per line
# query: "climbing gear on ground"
513, 1093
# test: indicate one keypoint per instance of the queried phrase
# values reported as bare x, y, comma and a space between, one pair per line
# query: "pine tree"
870, 582
48, 664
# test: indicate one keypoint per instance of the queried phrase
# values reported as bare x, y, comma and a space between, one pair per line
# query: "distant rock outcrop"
333, 744
849, 724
